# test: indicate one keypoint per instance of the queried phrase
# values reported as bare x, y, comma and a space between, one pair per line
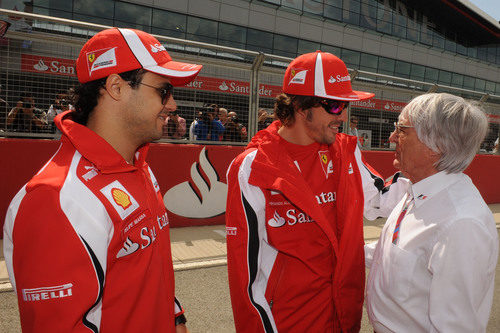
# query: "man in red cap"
296, 198
86, 240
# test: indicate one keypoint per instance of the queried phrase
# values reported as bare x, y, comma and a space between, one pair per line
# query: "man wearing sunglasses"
295, 205
86, 240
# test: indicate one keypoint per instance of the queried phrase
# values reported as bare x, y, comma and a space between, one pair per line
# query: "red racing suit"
86, 242
282, 274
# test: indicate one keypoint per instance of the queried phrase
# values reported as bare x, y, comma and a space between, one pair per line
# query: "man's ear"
114, 86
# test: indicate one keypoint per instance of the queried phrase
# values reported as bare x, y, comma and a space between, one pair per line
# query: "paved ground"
199, 255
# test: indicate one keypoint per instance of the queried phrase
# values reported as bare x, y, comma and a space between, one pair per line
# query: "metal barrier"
37, 60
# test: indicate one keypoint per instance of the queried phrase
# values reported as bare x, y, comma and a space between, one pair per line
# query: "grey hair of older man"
448, 125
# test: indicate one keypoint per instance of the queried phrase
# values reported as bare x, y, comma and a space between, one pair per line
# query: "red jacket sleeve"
55, 277
250, 309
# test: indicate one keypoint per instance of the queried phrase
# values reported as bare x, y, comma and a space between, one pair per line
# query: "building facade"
448, 43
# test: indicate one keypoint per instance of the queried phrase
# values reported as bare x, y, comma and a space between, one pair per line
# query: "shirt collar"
428, 187
95, 149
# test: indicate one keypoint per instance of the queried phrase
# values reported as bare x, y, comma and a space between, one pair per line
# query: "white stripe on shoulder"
8, 229
267, 254
89, 219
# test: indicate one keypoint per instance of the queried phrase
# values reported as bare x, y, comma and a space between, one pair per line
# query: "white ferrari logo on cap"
101, 59
299, 77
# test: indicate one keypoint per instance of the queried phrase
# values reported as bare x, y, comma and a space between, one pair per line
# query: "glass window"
332, 9
399, 26
490, 87
351, 11
260, 40
368, 14
169, 23
306, 46
285, 46
52, 4
457, 80
386, 65
431, 75
417, 72
135, 16
497, 89
384, 19
402, 69
232, 35
350, 58
313, 6
469, 82
331, 49
201, 30
369, 62
96, 8
480, 84
444, 77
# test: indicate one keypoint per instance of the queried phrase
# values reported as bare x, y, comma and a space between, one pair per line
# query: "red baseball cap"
321, 74
118, 50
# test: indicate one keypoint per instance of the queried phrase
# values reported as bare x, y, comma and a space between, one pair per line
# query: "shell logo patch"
121, 198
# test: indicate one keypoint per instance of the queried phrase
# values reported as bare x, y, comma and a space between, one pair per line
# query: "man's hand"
181, 328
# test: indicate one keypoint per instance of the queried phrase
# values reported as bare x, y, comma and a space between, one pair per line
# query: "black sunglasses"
165, 92
333, 107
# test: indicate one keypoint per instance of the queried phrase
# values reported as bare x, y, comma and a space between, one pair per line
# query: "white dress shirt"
439, 276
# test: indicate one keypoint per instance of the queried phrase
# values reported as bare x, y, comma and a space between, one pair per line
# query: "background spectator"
24, 117
264, 119
175, 127
208, 128
235, 131
4, 109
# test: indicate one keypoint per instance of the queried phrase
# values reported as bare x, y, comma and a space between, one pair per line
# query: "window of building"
232, 35
369, 62
417, 72
202, 30
350, 58
490, 87
258, 40
351, 11
285, 46
402, 69
386, 65
368, 14
457, 80
469, 82
306, 46
94, 11
169, 23
480, 84
133, 16
384, 18
331, 49
332, 9
431, 75
444, 77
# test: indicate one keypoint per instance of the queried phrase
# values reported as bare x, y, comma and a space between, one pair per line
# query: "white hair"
448, 125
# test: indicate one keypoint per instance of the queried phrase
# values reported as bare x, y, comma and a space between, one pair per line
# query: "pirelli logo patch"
46, 293
121, 199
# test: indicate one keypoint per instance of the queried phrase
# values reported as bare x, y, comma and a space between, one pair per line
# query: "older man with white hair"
433, 268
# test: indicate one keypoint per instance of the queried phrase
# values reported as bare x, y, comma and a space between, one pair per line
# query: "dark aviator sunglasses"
165, 92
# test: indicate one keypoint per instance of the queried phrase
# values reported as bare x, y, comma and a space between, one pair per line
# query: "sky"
490, 7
